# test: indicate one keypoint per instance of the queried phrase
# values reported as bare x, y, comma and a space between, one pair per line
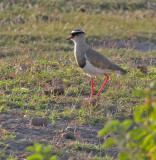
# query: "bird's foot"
98, 97
88, 102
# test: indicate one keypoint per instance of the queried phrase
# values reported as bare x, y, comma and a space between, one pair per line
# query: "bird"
90, 61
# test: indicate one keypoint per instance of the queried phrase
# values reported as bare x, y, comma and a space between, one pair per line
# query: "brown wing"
98, 60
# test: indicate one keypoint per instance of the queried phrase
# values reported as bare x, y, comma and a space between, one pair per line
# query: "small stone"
82, 10
25, 155
142, 68
69, 135
39, 121
58, 91
47, 92
45, 17
54, 91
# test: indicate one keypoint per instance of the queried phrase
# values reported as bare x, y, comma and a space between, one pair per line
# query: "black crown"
77, 32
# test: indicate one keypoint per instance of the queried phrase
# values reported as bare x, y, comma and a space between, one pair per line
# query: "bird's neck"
79, 51
80, 42
80, 47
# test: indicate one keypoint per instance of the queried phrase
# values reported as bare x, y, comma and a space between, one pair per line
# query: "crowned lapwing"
90, 61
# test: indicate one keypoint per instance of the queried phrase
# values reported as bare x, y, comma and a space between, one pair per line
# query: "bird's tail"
120, 70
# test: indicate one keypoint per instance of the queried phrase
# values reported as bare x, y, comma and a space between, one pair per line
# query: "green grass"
36, 52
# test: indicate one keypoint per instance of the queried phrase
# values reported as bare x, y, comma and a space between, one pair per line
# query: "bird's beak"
70, 37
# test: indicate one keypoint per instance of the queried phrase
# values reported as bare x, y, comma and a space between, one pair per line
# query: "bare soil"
25, 135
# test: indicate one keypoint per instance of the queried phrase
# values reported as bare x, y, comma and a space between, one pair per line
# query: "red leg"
107, 77
92, 86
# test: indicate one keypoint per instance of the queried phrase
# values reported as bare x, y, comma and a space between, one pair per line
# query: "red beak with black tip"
70, 37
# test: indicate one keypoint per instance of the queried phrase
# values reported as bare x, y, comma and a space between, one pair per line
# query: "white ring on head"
78, 31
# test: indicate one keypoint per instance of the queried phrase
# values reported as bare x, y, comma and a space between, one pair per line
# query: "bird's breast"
80, 59
92, 70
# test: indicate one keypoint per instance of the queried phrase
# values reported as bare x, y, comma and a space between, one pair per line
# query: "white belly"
94, 71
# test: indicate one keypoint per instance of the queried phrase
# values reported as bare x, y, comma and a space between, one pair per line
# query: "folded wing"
100, 61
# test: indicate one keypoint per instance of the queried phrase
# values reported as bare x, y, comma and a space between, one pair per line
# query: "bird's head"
77, 36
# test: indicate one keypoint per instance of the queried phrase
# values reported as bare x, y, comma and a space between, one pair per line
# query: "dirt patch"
26, 134
146, 61
140, 44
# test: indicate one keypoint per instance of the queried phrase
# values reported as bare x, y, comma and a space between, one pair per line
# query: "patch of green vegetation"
21, 84
5, 136
85, 147
135, 138
99, 158
41, 152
